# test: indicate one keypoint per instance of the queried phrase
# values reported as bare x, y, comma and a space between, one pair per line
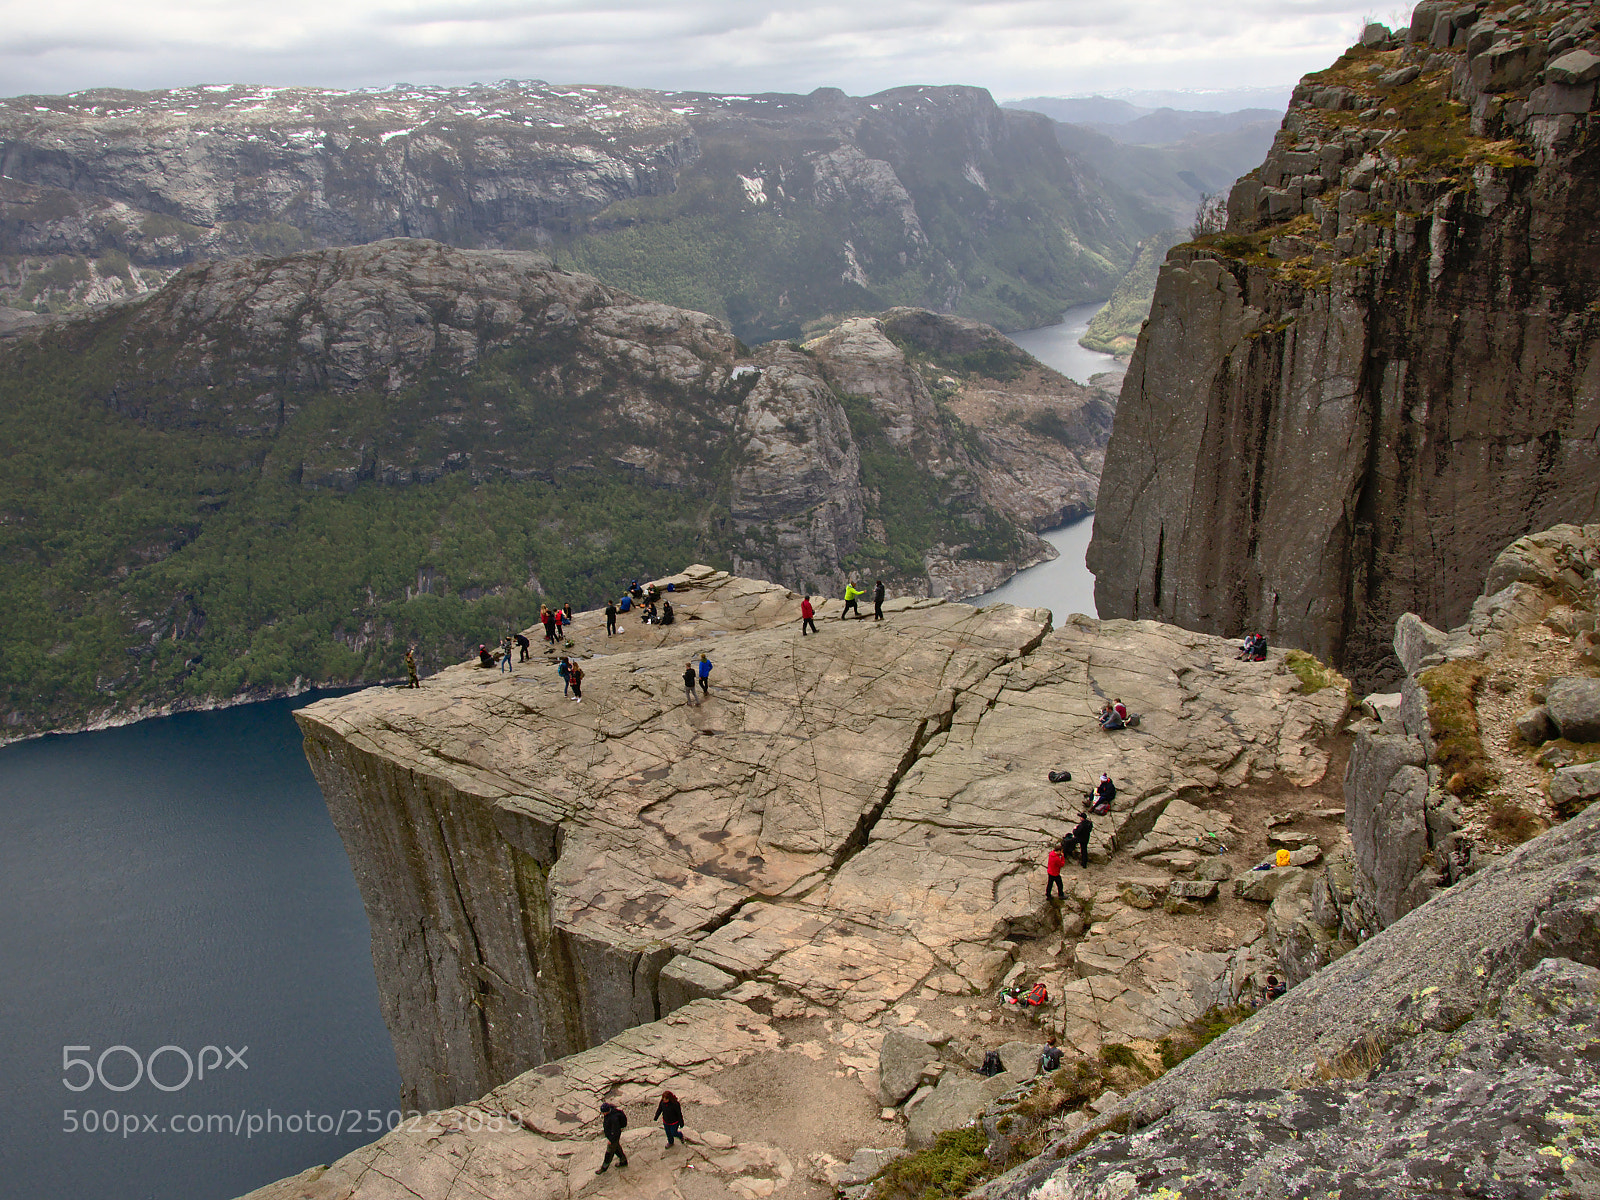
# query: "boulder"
1572, 788
1415, 641
901, 1059
1574, 706
957, 1099
1574, 68
1201, 890
1290, 839
1214, 869
1535, 725
1383, 707
1264, 886
1374, 34
1305, 856
684, 979
864, 1166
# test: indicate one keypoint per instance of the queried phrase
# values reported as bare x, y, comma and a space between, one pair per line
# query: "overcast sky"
1015, 48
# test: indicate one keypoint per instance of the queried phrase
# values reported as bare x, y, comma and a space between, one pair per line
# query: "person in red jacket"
807, 617
1052, 871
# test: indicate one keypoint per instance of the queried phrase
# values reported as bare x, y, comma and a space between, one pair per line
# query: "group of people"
613, 1121
697, 674
654, 608
852, 604
1254, 648
1116, 716
1098, 804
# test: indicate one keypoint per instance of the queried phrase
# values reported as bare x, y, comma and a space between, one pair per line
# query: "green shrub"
947, 1169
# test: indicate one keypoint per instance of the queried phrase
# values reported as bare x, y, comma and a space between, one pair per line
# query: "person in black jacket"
1079, 837
877, 601
613, 1121
670, 1113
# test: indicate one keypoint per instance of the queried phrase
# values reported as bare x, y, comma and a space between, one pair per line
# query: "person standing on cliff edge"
852, 594
411, 667
807, 617
611, 618
689, 694
705, 675
612, 1121
877, 601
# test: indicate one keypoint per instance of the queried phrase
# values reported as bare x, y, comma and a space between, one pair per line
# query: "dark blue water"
178, 883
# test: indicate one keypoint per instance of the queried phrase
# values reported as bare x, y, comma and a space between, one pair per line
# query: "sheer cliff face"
1388, 367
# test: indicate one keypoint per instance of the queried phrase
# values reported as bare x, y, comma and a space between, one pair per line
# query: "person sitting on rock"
485, 659
1050, 1056
1104, 793
667, 615
1121, 709
625, 604
1109, 721
1275, 988
1248, 649
1260, 652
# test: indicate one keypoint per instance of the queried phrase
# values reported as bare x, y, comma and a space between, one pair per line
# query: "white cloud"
1013, 47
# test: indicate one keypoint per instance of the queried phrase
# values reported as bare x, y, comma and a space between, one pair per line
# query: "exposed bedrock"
1386, 369
847, 818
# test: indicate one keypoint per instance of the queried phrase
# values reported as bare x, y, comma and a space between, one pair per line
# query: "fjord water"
1064, 584
1057, 345
178, 883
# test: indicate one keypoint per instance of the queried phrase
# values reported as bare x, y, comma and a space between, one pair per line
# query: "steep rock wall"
1389, 366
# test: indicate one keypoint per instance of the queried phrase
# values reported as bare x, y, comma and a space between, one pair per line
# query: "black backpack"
991, 1064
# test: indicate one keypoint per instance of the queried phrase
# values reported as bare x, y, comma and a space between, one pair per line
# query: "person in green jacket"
852, 594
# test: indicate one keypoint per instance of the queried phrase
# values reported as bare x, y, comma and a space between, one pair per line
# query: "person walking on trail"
522, 646
851, 595
1052, 873
705, 675
506, 661
689, 680
411, 667
1079, 837
564, 669
808, 617
612, 1122
575, 678
611, 617
877, 601
670, 1113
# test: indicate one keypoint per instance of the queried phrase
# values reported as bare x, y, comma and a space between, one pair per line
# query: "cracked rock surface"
846, 818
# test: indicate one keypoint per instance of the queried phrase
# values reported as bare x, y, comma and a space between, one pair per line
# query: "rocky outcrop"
103, 192
1423, 783
1386, 369
1429, 1048
849, 820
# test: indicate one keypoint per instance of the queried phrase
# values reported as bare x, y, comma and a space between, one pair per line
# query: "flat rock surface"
849, 820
